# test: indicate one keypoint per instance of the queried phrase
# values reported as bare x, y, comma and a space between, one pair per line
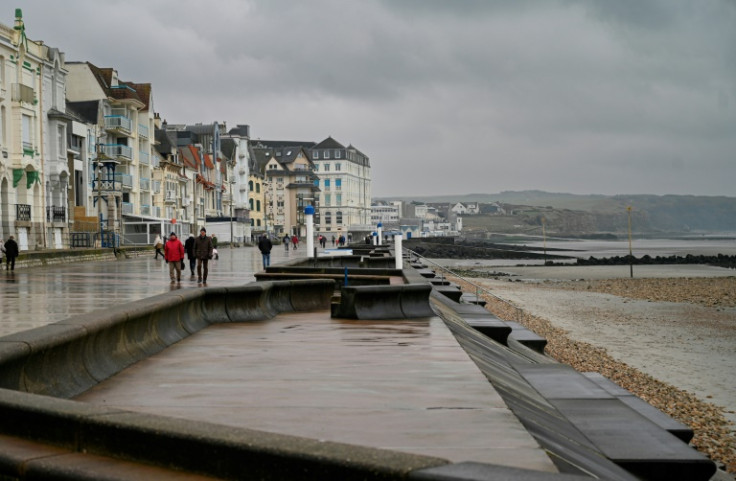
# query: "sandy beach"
667, 335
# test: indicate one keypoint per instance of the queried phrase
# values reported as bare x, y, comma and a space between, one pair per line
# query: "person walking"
286, 241
203, 252
189, 249
158, 244
265, 246
294, 242
174, 255
333, 240
11, 252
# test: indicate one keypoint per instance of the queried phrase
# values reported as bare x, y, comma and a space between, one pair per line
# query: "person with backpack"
11, 252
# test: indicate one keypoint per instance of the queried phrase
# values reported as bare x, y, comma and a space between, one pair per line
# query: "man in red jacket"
174, 255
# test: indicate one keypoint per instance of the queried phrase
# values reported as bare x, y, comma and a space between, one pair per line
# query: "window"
328, 199
27, 134
328, 217
326, 154
61, 140
316, 167
338, 184
315, 155
327, 184
250, 204
316, 182
252, 222
280, 179
258, 206
337, 155
250, 185
327, 167
338, 217
259, 222
338, 199
338, 166
258, 188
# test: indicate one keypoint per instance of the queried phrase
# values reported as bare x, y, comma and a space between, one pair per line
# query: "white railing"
143, 131
144, 158
145, 184
118, 122
119, 151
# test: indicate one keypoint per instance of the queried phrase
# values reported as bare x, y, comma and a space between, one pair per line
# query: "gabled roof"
329, 143
144, 93
189, 155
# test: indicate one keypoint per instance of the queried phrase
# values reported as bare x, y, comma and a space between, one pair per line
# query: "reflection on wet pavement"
38, 296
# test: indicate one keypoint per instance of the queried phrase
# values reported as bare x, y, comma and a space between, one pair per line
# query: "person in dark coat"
11, 252
286, 241
189, 248
265, 245
203, 249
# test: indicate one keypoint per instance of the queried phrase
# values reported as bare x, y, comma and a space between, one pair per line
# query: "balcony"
144, 158
143, 131
127, 208
119, 152
55, 214
171, 197
227, 197
145, 184
23, 212
23, 93
119, 124
156, 211
155, 162
146, 210
126, 180
156, 186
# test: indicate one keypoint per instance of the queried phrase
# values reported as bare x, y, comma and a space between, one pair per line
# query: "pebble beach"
669, 337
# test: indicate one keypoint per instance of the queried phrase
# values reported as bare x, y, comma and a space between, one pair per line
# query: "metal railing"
145, 184
55, 214
126, 180
23, 212
118, 122
127, 208
143, 131
145, 209
118, 151
443, 272
144, 158
22, 93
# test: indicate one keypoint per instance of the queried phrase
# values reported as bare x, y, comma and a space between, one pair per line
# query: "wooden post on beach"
544, 240
631, 256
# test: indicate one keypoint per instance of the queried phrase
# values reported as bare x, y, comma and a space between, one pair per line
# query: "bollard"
309, 214
380, 234
398, 252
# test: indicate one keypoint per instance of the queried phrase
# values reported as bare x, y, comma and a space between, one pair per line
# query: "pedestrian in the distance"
11, 252
189, 249
174, 255
158, 244
286, 241
203, 252
214, 241
333, 241
295, 241
265, 246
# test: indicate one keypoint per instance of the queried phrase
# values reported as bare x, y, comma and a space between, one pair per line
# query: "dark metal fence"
22, 212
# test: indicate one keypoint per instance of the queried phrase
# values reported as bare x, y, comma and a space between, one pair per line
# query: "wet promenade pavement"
38, 296
400, 385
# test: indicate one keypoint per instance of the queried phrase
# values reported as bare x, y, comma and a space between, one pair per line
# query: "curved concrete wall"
67, 358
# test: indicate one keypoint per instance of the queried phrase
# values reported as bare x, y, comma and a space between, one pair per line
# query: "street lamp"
99, 163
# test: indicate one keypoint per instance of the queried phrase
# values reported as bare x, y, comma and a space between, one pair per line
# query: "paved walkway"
38, 296
400, 385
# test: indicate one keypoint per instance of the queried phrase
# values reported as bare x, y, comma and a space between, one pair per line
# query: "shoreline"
678, 354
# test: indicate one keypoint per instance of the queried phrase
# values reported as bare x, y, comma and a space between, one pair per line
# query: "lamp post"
631, 255
309, 215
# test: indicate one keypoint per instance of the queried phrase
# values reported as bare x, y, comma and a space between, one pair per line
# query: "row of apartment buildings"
86, 159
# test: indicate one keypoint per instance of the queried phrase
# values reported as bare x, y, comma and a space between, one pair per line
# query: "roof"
144, 93
329, 143
227, 148
189, 155
208, 161
88, 110
284, 143
241, 130
166, 141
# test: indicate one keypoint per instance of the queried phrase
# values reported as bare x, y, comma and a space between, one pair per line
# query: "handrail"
478, 288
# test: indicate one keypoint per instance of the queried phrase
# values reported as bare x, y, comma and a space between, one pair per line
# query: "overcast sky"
445, 97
